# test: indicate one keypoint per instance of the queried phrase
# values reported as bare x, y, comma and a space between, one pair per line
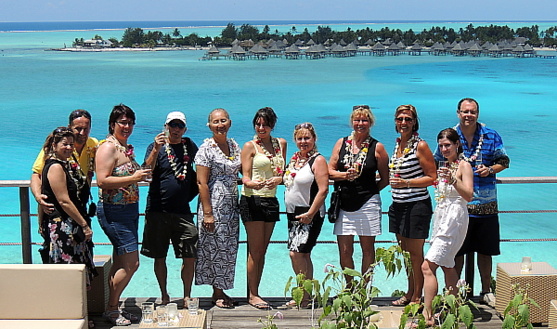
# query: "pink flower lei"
291, 169
276, 161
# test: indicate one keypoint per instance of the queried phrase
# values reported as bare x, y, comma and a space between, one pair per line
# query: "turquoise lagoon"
39, 88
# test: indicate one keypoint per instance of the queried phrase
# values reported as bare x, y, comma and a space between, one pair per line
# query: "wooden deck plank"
246, 316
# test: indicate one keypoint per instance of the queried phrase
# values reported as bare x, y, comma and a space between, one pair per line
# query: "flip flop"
116, 320
262, 306
222, 303
402, 301
130, 316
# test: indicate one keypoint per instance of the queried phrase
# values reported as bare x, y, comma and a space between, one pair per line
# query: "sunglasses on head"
62, 130
305, 125
180, 125
357, 107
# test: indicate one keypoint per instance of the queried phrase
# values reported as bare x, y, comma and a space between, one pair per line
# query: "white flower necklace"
395, 162
358, 163
477, 151
277, 163
232, 147
292, 169
172, 160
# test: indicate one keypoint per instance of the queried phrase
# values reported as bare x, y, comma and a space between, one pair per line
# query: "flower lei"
395, 162
276, 162
349, 160
172, 160
127, 150
477, 151
440, 184
291, 169
232, 146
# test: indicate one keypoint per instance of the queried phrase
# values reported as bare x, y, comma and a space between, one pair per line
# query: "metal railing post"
25, 225
469, 272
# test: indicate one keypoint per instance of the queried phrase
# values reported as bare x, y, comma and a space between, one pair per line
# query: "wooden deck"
245, 316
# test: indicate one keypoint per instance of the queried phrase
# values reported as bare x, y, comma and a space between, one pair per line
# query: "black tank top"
356, 193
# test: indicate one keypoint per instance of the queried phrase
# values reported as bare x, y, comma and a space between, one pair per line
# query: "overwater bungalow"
394, 50
292, 52
238, 53
415, 50
258, 52
474, 50
378, 49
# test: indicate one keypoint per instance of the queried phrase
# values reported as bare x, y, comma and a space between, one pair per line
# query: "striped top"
410, 169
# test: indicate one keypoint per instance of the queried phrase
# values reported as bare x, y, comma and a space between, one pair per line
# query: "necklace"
232, 147
358, 162
74, 171
127, 150
292, 169
173, 163
476, 152
395, 162
277, 163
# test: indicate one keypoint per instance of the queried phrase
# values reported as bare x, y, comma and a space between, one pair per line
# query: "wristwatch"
491, 171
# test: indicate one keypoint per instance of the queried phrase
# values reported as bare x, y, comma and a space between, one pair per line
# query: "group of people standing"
359, 166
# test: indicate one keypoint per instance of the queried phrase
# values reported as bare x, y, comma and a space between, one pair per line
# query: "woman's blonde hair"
364, 110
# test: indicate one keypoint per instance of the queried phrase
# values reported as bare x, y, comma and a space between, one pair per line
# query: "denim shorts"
120, 223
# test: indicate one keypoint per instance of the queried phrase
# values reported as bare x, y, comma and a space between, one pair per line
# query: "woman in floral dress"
70, 233
218, 163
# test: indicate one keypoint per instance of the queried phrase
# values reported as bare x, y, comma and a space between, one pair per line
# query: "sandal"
116, 320
402, 301
222, 303
130, 316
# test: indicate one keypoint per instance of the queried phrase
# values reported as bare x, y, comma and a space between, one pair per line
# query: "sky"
187, 10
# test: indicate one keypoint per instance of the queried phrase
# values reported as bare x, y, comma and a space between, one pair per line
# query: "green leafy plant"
517, 312
351, 307
451, 311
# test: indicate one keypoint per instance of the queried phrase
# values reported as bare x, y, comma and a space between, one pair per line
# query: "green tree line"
136, 37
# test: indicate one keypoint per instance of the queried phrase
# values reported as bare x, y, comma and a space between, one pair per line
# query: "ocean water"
39, 88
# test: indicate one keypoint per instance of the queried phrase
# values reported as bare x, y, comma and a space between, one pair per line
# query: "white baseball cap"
176, 115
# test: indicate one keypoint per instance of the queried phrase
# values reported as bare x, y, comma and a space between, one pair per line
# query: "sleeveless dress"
63, 248
449, 228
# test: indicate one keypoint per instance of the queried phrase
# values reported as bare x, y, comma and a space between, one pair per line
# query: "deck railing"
25, 219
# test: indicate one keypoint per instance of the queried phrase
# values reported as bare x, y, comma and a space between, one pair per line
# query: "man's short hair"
468, 99
78, 114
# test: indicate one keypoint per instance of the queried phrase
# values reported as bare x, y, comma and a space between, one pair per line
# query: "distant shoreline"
120, 49
131, 49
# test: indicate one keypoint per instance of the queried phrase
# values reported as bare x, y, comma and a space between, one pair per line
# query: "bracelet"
408, 183
210, 213
84, 226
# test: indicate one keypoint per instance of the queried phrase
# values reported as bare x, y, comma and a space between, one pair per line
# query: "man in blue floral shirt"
483, 148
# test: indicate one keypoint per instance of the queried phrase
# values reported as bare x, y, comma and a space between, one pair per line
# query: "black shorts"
259, 209
482, 237
161, 228
411, 219
297, 230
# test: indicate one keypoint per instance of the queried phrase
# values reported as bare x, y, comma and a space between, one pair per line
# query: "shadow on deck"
246, 316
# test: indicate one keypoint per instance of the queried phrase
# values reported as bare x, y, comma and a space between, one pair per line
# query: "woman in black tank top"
354, 162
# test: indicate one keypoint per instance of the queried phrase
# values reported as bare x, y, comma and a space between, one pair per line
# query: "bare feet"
165, 299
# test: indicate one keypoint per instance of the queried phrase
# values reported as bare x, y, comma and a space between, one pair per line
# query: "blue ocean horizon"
40, 88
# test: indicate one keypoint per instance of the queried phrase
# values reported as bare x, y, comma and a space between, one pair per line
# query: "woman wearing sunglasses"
412, 170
